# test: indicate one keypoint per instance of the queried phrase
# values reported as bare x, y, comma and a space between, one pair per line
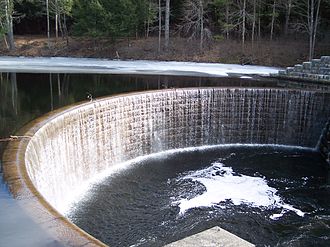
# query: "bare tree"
56, 18
159, 24
259, 19
2, 27
227, 19
59, 10
254, 18
53, 7
243, 23
273, 20
288, 4
150, 18
201, 20
48, 24
3, 24
9, 9
193, 21
313, 26
309, 10
167, 24
239, 18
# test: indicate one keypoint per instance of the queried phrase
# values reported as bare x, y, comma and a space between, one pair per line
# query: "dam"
91, 138
61, 154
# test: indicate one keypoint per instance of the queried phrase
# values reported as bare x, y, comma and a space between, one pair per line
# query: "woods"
202, 21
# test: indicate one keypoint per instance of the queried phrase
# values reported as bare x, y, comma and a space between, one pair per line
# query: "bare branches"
194, 20
309, 13
167, 24
7, 10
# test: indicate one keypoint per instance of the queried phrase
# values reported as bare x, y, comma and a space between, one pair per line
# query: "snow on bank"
105, 66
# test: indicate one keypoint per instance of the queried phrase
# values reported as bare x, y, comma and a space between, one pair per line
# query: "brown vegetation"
276, 53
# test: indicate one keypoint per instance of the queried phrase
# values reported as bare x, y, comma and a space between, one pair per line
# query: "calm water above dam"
24, 97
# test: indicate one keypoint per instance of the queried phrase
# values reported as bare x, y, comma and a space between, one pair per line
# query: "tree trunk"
56, 26
287, 16
273, 21
243, 24
167, 24
148, 20
259, 21
56, 19
4, 38
253, 22
9, 20
65, 30
316, 22
60, 26
159, 25
201, 19
227, 19
311, 27
48, 28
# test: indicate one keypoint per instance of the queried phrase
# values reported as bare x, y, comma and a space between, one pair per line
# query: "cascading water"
75, 148
72, 148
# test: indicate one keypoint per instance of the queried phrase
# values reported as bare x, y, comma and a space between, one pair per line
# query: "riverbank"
278, 53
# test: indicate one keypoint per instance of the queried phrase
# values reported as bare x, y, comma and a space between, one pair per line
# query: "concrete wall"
77, 144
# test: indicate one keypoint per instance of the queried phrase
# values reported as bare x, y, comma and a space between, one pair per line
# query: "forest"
204, 23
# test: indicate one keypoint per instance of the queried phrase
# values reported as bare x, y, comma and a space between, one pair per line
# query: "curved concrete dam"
64, 150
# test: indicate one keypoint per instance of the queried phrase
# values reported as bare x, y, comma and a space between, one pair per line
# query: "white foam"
83, 191
222, 185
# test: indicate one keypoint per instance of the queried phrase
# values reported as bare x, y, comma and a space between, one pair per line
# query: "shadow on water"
24, 97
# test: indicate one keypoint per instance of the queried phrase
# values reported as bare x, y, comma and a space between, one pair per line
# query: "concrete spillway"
70, 147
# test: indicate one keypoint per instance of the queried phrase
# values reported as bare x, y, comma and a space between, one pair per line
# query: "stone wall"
324, 143
76, 145
315, 70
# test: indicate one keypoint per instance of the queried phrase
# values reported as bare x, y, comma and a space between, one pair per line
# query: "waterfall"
76, 145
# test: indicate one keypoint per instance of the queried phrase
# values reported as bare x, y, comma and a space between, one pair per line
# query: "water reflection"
9, 106
24, 97
16, 228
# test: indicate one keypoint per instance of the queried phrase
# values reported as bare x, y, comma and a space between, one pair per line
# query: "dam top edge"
36, 124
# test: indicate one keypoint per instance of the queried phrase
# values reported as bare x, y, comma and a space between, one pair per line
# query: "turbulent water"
268, 195
223, 184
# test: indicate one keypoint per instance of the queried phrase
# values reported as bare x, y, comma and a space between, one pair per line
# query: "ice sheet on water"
90, 65
223, 184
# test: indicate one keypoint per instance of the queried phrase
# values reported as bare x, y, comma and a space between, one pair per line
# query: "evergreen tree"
112, 18
91, 18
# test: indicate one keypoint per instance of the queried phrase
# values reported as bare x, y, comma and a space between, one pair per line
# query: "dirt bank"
277, 53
